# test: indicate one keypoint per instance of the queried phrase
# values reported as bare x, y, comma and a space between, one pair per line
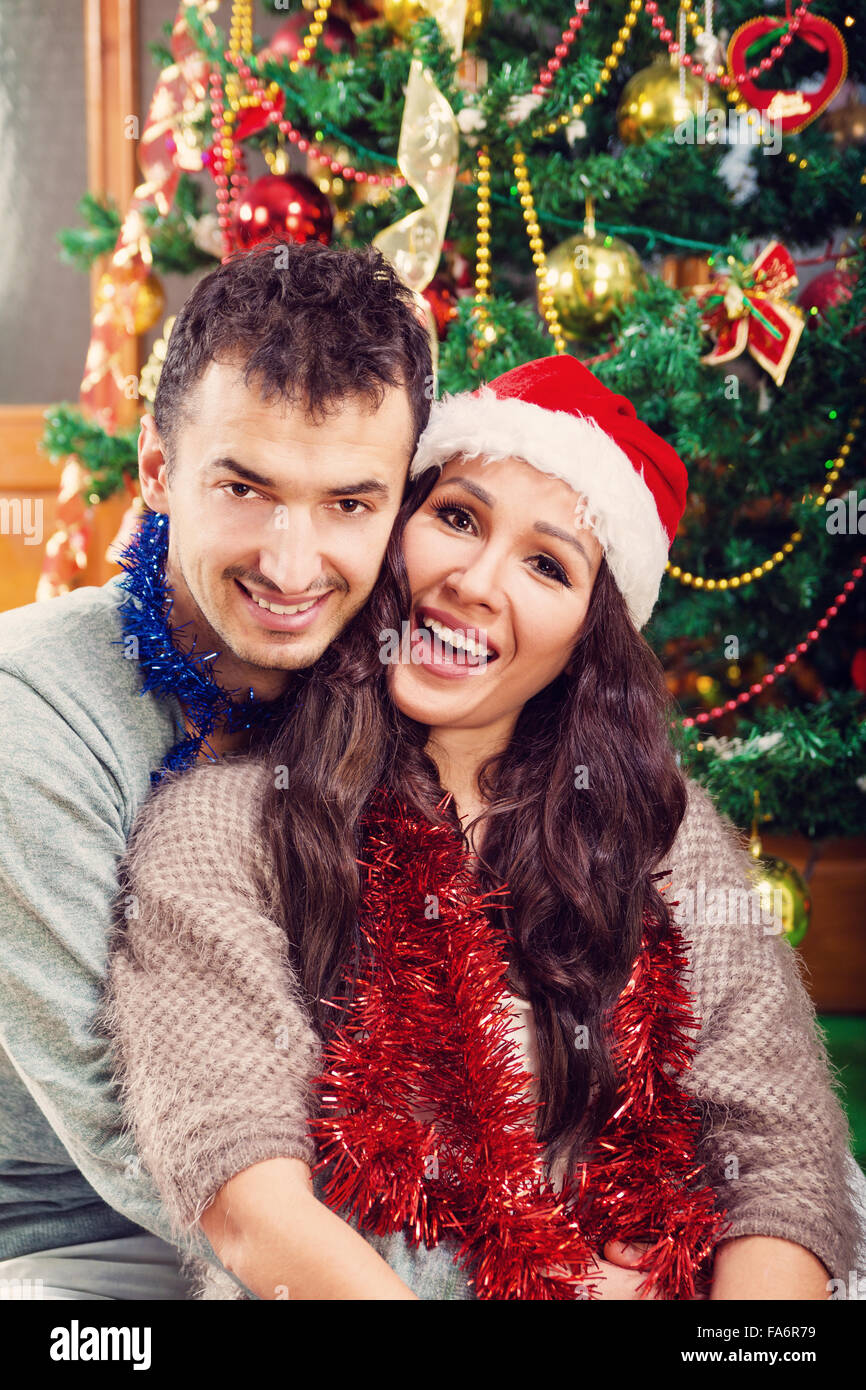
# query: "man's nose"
290, 554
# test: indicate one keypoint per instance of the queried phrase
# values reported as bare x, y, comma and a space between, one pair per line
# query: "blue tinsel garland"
166, 670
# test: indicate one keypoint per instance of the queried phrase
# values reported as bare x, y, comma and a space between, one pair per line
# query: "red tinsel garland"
427, 1028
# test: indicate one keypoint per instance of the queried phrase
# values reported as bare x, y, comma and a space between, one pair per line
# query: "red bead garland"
545, 77
725, 79
254, 88
790, 660
228, 186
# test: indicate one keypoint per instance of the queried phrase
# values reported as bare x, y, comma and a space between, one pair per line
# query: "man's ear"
152, 466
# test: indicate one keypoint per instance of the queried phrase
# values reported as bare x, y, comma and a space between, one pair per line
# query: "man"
294, 390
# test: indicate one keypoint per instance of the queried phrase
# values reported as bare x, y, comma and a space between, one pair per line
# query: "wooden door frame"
111, 55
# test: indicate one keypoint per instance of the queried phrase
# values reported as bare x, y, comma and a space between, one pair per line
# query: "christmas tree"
643, 186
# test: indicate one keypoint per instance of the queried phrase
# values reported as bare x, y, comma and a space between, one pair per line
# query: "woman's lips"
283, 622
440, 658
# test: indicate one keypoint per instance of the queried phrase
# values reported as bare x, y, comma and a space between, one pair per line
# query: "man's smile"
283, 617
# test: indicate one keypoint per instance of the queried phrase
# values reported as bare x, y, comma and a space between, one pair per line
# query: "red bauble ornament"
441, 295
826, 291
858, 669
336, 36
291, 207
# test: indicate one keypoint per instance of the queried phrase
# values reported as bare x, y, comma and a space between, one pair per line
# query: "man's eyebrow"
545, 529
370, 486
249, 475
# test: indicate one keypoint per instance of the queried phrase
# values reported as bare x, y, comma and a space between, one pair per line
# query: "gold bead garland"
311, 38
241, 33
482, 254
734, 581
240, 43
536, 245
610, 65
241, 29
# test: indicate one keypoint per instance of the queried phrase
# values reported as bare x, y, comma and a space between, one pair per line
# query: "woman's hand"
747, 1267
270, 1230
616, 1276
767, 1267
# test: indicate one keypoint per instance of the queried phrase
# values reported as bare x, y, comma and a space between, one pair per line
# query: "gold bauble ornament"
652, 103
400, 15
782, 889
847, 125
590, 275
135, 305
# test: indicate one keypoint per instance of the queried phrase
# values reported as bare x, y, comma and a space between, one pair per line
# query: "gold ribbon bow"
427, 158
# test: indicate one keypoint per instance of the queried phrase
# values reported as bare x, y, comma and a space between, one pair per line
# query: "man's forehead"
236, 402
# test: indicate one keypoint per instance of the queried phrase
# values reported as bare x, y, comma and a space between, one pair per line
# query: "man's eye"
244, 489
348, 505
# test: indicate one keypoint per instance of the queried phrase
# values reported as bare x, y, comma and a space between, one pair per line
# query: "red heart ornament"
793, 110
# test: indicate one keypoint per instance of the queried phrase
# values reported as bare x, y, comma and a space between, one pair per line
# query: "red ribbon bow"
748, 309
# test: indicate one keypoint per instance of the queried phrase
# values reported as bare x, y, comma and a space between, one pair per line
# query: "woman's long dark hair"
583, 806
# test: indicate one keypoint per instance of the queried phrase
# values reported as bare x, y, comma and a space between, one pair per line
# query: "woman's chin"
428, 699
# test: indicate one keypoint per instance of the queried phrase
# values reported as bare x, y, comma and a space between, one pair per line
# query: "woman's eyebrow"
545, 529
473, 489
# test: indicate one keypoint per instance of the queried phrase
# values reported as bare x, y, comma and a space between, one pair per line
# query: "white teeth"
459, 640
277, 608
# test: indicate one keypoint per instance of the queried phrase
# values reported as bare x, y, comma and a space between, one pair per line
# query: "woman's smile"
448, 646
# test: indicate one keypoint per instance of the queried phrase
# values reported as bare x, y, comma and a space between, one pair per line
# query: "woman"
534, 546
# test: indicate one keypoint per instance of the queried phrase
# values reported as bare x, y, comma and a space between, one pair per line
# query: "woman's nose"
480, 581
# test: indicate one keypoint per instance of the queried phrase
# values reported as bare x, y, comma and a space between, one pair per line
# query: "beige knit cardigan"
215, 1052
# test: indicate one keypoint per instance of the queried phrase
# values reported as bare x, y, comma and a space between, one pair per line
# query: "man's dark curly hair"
312, 324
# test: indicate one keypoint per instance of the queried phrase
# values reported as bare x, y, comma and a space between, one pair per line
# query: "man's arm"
61, 834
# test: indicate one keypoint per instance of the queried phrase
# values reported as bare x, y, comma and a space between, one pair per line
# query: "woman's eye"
455, 517
549, 569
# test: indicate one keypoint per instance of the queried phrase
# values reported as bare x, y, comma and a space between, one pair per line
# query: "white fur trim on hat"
616, 504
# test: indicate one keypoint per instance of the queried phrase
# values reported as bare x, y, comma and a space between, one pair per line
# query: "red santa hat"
560, 419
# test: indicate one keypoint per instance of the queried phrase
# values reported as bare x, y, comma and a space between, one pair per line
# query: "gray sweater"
78, 742
216, 1052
